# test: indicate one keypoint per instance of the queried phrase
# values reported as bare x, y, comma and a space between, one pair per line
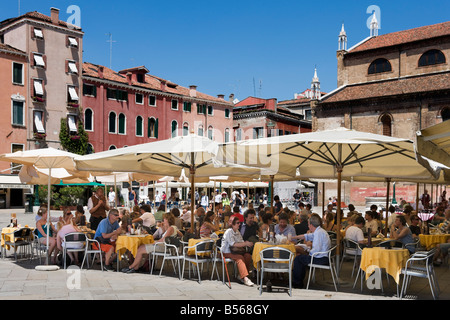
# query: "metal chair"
90, 249
276, 259
169, 250
219, 258
20, 238
203, 253
413, 270
331, 266
37, 246
73, 239
351, 250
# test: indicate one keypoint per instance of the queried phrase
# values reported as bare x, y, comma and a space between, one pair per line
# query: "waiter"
97, 206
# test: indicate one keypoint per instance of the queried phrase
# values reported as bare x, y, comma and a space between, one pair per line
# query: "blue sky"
263, 48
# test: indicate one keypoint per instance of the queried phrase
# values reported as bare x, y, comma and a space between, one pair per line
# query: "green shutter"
156, 128
122, 123
139, 126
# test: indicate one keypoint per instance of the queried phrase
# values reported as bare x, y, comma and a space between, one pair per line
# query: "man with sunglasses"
107, 232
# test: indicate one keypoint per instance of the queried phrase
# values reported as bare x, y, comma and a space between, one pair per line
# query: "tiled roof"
294, 101
250, 101
151, 82
8, 48
389, 88
406, 36
34, 15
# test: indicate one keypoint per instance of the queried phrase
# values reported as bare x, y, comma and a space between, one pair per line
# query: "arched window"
112, 147
227, 135
210, 133
88, 120
185, 129
379, 66
227, 113
112, 122
139, 126
386, 122
152, 128
431, 57
174, 128
90, 149
445, 114
122, 124
200, 130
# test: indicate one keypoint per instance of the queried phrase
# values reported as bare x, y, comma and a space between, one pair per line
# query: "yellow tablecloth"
431, 240
131, 243
9, 237
390, 259
259, 246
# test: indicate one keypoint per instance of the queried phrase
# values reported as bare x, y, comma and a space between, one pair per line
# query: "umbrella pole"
192, 177
417, 198
271, 195
388, 181
338, 216
323, 198
48, 215
167, 196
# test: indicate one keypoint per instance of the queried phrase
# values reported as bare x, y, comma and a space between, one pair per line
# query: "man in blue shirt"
320, 243
108, 229
283, 227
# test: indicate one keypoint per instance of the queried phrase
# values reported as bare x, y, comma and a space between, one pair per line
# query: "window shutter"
156, 129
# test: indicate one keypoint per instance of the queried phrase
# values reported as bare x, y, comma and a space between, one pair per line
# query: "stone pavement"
20, 280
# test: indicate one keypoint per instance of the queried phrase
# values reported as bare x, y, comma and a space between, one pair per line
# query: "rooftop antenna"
260, 87
110, 48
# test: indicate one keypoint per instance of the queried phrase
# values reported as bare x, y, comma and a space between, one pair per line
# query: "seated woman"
66, 219
400, 232
371, 222
267, 221
80, 218
66, 229
170, 231
208, 226
44, 234
328, 222
160, 213
232, 237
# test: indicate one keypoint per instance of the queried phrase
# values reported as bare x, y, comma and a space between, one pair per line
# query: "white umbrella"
336, 154
46, 158
434, 143
166, 157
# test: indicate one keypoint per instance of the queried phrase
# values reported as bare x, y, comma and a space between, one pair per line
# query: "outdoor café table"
7, 236
393, 260
259, 246
431, 240
192, 242
131, 243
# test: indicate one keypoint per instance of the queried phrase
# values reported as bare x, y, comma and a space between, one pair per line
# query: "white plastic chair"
89, 249
276, 259
168, 252
331, 266
351, 250
411, 269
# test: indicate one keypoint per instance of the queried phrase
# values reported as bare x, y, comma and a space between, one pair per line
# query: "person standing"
296, 197
204, 201
132, 200
425, 199
97, 207
112, 198
157, 200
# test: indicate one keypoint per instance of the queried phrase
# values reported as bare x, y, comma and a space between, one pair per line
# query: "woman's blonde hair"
170, 218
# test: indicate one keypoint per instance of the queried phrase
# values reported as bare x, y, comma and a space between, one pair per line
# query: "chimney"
193, 91
163, 85
54, 15
100, 72
231, 98
129, 74
221, 96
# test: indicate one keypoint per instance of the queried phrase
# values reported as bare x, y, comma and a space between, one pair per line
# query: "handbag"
240, 250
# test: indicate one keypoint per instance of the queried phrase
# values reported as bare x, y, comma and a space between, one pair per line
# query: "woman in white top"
66, 229
171, 231
232, 237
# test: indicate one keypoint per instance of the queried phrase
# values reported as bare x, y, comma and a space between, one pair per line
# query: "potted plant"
39, 136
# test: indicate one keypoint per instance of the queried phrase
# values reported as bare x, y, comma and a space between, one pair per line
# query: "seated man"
107, 231
249, 229
147, 218
283, 227
320, 243
355, 232
302, 227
